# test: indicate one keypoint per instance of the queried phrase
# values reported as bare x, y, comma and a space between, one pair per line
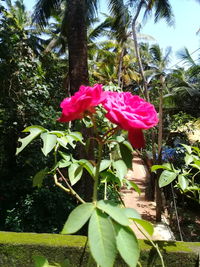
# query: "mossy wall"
18, 249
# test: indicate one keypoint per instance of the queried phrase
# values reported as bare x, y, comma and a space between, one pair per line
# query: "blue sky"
183, 34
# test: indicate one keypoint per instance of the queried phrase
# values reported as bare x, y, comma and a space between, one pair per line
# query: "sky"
182, 34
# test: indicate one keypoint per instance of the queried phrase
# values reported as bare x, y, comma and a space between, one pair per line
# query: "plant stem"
55, 153
153, 244
70, 190
105, 190
176, 212
122, 202
110, 132
194, 177
59, 184
96, 177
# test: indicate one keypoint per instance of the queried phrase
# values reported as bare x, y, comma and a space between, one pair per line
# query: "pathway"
147, 209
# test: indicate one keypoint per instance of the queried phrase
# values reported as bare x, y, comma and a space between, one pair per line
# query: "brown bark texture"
77, 44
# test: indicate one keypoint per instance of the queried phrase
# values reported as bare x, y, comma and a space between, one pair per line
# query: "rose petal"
136, 138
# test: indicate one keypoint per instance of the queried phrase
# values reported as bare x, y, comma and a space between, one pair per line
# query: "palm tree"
30, 33
158, 66
77, 13
183, 84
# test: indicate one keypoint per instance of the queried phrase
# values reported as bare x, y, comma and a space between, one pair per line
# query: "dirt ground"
189, 220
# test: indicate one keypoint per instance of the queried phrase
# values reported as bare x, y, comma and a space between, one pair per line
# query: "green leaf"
164, 166
63, 163
105, 163
49, 142
120, 138
166, 178
147, 226
40, 261
87, 165
183, 182
34, 132
188, 159
188, 148
133, 185
57, 133
127, 244
131, 213
113, 210
39, 177
77, 218
126, 154
128, 145
63, 141
110, 177
197, 166
196, 149
71, 140
75, 172
66, 263
121, 169
102, 239
77, 136
65, 156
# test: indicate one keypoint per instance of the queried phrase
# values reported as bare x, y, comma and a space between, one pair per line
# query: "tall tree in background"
74, 27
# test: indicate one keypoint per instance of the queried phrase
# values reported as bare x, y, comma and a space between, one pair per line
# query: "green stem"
69, 189
105, 190
194, 177
153, 244
96, 177
55, 154
110, 133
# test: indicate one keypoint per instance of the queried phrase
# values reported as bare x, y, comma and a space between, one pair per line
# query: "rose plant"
109, 229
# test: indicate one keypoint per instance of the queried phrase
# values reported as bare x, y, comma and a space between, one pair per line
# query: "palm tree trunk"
159, 161
78, 72
120, 67
77, 44
145, 91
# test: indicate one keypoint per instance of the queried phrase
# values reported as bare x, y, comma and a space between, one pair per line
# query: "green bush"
44, 210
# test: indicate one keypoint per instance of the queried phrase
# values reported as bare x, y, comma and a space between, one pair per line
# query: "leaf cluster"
186, 179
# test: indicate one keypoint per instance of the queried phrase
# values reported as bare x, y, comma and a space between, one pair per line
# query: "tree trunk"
120, 67
159, 205
78, 72
77, 44
137, 51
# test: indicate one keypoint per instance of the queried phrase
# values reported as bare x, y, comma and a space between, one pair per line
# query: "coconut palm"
30, 33
75, 17
183, 85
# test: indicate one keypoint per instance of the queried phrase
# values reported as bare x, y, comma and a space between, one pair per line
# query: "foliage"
186, 178
180, 119
108, 222
41, 261
41, 211
29, 95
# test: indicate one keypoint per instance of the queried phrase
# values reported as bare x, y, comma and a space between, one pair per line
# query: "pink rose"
81, 102
131, 113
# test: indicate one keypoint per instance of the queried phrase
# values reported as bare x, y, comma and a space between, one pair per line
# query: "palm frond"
185, 56
92, 7
44, 9
193, 71
156, 53
163, 10
167, 58
96, 32
119, 11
